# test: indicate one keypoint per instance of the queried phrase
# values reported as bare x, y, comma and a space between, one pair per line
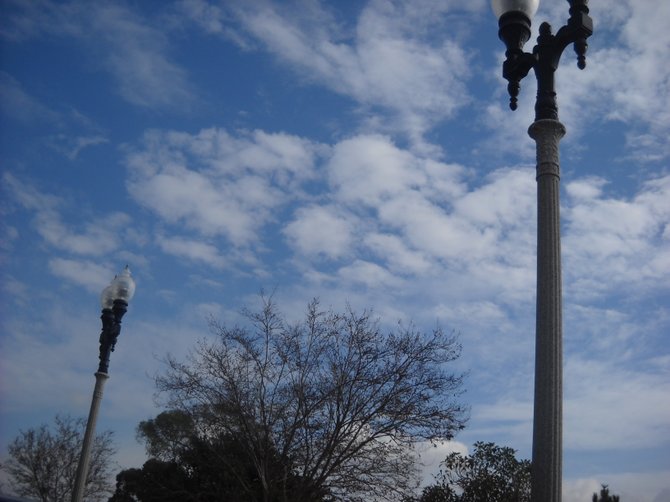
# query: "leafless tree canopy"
339, 401
43, 462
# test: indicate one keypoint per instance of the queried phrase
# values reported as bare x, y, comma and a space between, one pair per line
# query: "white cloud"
118, 39
18, 104
192, 250
26, 195
390, 59
630, 486
217, 184
614, 383
623, 239
72, 147
92, 276
206, 15
54, 345
580, 490
98, 238
95, 238
368, 274
420, 219
15, 102
593, 389
429, 203
432, 456
181, 195
428, 227
136, 54
318, 231
431, 219
399, 256
371, 169
642, 91
626, 75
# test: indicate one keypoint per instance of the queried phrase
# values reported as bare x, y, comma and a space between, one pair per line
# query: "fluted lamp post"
114, 300
514, 21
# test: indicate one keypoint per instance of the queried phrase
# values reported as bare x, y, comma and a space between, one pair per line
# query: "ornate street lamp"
514, 21
114, 301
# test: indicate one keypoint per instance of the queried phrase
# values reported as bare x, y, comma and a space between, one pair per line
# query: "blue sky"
360, 152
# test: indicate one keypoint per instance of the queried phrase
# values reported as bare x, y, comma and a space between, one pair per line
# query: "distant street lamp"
514, 29
114, 300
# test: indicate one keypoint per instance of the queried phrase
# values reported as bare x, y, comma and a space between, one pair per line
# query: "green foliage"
491, 474
436, 493
605, 496
191, 464
168, 435
43, 462
156, 481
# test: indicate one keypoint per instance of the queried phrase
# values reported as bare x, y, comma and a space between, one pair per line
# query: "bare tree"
43, 463
337, 400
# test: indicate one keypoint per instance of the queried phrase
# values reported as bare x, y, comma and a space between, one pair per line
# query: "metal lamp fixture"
514, 19
514, 23
114, 301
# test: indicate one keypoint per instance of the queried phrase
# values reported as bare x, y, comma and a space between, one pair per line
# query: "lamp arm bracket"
514, 31
578, 28
515, 68
566, 36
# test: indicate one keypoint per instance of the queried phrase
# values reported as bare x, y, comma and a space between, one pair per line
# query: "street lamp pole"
114, 300
514, 30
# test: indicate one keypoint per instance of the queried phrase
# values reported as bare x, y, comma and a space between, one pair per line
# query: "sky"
358, 152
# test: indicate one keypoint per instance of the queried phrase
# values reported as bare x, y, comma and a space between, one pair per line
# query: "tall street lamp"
114, 300
514, 30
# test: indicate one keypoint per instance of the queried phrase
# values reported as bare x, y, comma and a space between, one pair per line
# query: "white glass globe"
528, 7
121, 288
107, 297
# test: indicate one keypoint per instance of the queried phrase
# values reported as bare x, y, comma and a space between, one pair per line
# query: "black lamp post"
514, 23
114, 300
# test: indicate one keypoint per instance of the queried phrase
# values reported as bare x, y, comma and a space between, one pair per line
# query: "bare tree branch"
341, 402
43, 462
